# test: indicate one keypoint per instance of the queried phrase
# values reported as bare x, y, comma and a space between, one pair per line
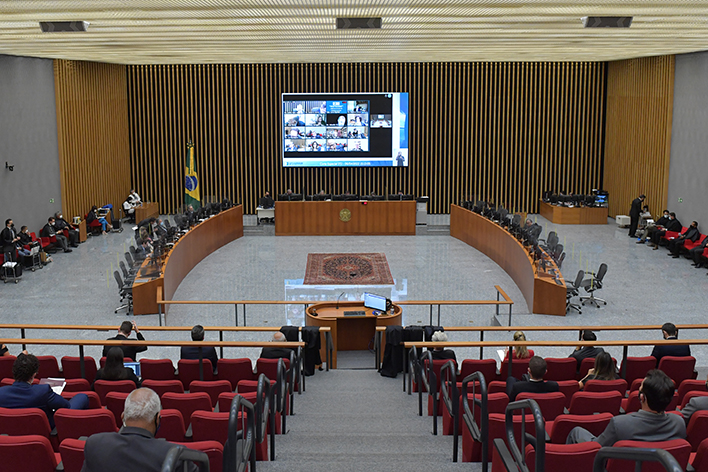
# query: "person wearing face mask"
697, 252
49, 230
652, 228
60, 224
9, 239
691, 234
25, 239
673, 225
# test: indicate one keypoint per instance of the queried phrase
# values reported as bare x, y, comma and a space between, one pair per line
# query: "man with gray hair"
134, 447
193, 352
276, 352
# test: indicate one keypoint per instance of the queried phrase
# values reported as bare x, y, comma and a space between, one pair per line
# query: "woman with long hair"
115, 370
604, 369
520, 352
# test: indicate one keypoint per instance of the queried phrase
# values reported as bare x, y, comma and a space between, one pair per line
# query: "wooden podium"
349, 333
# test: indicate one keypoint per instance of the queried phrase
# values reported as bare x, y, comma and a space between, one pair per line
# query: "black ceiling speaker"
358, 23
63, 26
607, 21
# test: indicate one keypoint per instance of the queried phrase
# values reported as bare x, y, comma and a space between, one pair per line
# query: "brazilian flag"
191, 181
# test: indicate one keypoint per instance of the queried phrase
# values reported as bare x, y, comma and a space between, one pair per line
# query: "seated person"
276, 352
535, 383
519, 352
697, 252
115, 370
604, 369
585, 352
652, 228
694, 404
91, 217
192, 352
644, 216
24, 240
134, 198
670, 331
123, 332
650, 423
439, 352
266, 201
129, 210
60, 224
22, 394
672, 225
48, 231
691, 234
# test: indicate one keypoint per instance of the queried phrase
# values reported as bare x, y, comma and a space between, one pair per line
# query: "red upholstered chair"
245, 387
618, 385
497, 428
235, 370
518, 368
163, 386
6, 363
568, 387
269, 367
636, 383
496, 386
72, 368
678, 368
157, 369
699, 462
585, 365
187, 403
213, 449
690, 385
687, 397
189, 371
472, 450
115, 403
575, 457
102, 387
226, 398
72, 454
563, 424
9, 381
172, 426
76, 423
564, 368
31, 453
102, 361
551, 404
213, 388
48, 367
637, 367
76, 385
631, 403
697, 429
679, 448
94, 400
488, 368
210, 426
588, 403
26, 421
496, 403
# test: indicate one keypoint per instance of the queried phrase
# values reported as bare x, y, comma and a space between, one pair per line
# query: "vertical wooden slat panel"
638, 132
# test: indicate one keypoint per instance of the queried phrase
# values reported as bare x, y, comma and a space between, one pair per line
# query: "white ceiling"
250, 31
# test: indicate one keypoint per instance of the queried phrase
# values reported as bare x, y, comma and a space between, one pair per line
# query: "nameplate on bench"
354, 313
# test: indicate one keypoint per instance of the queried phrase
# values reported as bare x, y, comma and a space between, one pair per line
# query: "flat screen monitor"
601, 199
375, 302
133, 365
345, 129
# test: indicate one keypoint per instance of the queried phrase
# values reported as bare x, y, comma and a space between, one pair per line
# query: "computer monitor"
375, 302
133, 365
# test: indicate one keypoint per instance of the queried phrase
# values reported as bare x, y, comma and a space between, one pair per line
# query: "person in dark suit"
192, 352
49, 230
650, 423
694, 404
266, 201
61, 224
692, 234
652, 228
669, 331
439, 352
535, 383
8, 239
22, 394
672, 225
585, 352
697, 252
123, 332
134, 447
634, 213
115, 370
276, 352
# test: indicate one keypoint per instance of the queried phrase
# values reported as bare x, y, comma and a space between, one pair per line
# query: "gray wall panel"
28, 141
688, 175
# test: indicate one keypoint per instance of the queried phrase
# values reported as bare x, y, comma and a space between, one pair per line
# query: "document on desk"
56, 384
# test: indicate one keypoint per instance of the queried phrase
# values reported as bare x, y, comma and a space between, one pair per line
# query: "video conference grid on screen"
345, 130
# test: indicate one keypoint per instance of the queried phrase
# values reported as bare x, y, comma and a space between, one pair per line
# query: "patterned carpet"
348, 269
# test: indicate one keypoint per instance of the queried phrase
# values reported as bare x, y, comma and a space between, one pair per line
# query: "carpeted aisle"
356, 420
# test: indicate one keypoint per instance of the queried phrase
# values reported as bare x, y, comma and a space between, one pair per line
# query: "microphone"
340, 296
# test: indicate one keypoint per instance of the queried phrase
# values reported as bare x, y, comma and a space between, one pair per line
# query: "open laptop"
135, 366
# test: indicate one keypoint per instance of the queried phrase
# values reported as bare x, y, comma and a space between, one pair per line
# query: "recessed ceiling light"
358, 23
607, 21
63, 26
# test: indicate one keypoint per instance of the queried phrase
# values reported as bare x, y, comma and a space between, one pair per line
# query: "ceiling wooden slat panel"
292, 31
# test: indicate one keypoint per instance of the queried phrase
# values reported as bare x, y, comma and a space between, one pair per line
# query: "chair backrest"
637, 367
172, 426
497, 428
561, 368
575, 457
119, 280
678, 368
213, 388
157, 369
189, 370
210, 426
551, 404
579, 279
234, 370
213, 449
588, 403
76, 385
488, 368
24, 421
679, 448
94, 401
690, 385
601, 272
692, 394
48, 367
163, 386
269, 367
563, 424
72, 368
102, 387
31, 453
115, 403
568, 387
6, 363
697, 429
518, 368
77, 423
123, 269
187, 403
102, 361
700, 462
618, 385
632, 402
72, 454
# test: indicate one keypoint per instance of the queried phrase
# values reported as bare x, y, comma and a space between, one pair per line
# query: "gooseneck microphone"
338, 298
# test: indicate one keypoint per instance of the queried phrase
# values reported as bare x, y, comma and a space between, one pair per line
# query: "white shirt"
134, 198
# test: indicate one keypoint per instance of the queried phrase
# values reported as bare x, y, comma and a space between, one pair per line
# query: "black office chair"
592, 284
126, 294
573, 290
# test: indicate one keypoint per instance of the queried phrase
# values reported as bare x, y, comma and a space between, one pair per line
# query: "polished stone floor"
641, 286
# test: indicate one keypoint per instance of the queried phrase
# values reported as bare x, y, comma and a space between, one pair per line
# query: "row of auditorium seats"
688, 245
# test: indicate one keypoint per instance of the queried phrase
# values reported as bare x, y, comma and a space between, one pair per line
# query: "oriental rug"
347, 269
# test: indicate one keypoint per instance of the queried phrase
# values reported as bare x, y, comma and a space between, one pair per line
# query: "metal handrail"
240, 450
179, 455
479, 433
667, 461
450, 396
282, 391
263, 416
517, 459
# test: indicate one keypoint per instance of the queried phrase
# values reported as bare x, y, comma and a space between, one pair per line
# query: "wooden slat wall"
93, 134
638, 144
500, 131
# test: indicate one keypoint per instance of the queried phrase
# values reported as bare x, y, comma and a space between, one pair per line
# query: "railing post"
510, 314
431, 314
82, 365
498, 294
159, 313
623, 372
221, 348
235, 314
22, 334
244, 315
481, 348
439, 314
